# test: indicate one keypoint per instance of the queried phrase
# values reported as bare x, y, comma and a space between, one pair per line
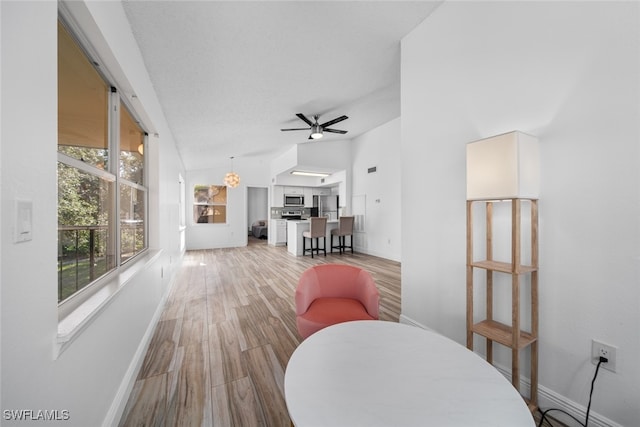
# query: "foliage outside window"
210, 204
95, 185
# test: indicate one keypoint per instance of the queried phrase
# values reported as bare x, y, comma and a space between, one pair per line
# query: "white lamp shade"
503, 167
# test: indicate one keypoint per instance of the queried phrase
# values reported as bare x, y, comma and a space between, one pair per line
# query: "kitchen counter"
294, 235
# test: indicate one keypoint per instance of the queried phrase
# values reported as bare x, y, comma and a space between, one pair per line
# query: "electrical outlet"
598, 349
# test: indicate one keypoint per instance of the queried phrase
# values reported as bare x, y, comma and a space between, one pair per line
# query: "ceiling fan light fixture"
318, 129
316, 132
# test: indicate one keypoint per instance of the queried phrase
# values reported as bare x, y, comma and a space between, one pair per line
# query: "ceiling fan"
318, 129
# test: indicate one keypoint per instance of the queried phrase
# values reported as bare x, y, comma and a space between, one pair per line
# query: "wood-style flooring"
221, 346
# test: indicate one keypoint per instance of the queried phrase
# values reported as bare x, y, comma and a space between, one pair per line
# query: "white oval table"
376, 373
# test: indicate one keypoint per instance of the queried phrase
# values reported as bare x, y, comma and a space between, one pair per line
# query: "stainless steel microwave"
293, 200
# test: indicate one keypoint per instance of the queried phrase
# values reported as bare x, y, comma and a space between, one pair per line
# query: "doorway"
257, 211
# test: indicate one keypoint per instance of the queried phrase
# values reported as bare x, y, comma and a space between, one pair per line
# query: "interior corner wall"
90, 378
379, 190
567, 73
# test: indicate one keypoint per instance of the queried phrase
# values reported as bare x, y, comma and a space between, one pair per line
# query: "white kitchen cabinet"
321, 191
293, 190
278, 232
308, 197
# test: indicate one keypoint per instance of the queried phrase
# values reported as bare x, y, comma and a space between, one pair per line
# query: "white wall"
253, 172
566, 72
324, 153
379, 147
91, 377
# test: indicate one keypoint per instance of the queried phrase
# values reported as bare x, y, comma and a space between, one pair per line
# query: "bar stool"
345, 228
317, 229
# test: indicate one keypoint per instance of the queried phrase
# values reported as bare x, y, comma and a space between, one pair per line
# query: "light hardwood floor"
221, 346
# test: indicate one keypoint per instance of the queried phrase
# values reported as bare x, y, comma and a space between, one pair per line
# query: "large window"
101, 188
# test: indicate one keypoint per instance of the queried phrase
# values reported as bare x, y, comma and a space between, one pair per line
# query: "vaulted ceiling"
231, 74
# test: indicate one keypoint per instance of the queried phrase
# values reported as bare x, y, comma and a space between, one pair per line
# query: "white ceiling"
231, 74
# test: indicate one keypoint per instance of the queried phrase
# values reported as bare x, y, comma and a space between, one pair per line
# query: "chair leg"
344, 243
340, 246
324, 246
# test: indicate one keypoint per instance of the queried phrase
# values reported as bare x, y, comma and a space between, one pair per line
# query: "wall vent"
372, 169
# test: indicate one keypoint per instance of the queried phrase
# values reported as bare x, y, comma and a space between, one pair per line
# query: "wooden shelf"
504, 267
496, 332
501, 333
533, 406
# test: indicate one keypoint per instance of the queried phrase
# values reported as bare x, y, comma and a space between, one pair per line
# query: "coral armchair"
333, 293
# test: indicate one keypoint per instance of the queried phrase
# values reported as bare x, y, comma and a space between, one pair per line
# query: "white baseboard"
112, 419
409, 321
367, 251
550, 399
547, 398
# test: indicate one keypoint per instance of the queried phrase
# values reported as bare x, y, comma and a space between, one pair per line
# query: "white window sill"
75, 322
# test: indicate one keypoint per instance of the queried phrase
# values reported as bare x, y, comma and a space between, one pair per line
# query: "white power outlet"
598, 349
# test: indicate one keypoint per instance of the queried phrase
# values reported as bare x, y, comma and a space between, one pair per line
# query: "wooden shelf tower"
509, 335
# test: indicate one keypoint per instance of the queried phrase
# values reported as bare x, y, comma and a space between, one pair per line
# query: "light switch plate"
23, 221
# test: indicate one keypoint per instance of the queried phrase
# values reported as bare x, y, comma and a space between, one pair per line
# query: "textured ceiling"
231, 74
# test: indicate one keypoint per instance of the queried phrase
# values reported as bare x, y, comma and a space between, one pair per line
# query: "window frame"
121, 102
212, 203
115, 102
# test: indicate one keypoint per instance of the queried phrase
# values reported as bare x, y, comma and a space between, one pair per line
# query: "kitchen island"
294, 235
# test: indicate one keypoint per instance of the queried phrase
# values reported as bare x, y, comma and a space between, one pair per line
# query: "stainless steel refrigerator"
326, 206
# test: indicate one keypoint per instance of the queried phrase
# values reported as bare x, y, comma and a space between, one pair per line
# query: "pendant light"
232, 179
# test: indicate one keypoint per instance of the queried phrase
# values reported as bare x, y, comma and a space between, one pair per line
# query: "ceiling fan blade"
335, 130
334, 121
296, 129
304, 118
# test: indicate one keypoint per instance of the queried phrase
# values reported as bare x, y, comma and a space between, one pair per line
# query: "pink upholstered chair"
334, 293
